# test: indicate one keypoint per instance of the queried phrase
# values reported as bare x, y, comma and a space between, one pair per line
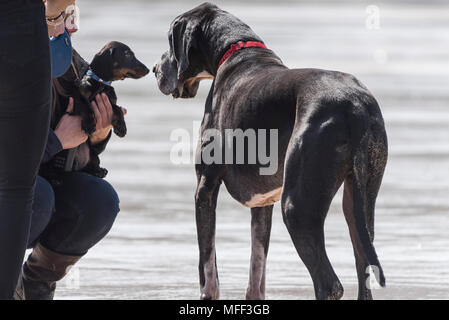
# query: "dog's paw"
120, 130
88, 128
101, 173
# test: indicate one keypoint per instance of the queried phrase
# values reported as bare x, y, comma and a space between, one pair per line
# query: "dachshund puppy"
83, 82
114, 62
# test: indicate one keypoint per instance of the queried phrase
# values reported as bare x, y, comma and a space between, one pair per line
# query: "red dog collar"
240, 45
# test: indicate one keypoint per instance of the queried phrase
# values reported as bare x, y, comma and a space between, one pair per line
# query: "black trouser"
73, 217
25, 78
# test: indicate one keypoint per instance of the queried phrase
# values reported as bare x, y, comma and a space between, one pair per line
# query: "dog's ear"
103, 63
107, 54
183, 39
111, 51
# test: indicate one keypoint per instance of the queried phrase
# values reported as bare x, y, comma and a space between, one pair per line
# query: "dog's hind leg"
93, 167
360, 261
260, 239
205, 204
377, 157
316, 165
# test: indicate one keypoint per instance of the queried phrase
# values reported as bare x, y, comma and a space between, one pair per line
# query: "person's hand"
103, 115
69, 130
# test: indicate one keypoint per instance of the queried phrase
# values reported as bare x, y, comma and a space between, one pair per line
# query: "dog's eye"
128, 55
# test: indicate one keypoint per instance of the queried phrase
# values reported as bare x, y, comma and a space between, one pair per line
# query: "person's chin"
56, 31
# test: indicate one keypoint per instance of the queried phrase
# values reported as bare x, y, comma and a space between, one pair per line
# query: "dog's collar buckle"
238, 46
90, 73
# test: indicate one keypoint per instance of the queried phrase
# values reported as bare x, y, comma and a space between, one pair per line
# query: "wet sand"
151, 252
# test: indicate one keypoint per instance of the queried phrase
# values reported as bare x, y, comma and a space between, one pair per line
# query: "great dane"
330, 130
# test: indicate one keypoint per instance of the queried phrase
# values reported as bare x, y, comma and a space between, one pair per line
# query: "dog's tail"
362, 134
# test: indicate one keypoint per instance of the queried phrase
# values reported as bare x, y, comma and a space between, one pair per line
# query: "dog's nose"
155, 68
145, 70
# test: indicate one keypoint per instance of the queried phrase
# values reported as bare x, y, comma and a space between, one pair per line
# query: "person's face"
69, 25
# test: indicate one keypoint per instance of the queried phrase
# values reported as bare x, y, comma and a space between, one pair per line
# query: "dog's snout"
145, 70
155, 68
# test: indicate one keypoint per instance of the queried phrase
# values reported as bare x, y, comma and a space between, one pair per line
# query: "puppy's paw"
120, 130
101, 172
88, 127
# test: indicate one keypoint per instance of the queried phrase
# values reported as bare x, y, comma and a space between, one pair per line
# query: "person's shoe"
41, 272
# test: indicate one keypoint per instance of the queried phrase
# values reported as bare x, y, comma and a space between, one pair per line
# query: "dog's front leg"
88, 123
205, 204
260, 240
118, 121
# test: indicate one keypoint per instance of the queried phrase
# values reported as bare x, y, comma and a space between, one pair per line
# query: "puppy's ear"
103, 63
106, 54
111, 52
183, 39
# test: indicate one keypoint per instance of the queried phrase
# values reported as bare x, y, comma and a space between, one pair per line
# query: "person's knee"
102, 209
43, 208
44, 200
86, 208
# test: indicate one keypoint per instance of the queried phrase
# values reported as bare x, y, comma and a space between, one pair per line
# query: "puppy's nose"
155, 68
144, 70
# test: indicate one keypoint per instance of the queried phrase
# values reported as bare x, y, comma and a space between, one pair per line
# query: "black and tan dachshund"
83, 81
330, 131
114, 62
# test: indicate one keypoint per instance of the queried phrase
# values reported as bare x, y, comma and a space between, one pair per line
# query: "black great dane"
330, 132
